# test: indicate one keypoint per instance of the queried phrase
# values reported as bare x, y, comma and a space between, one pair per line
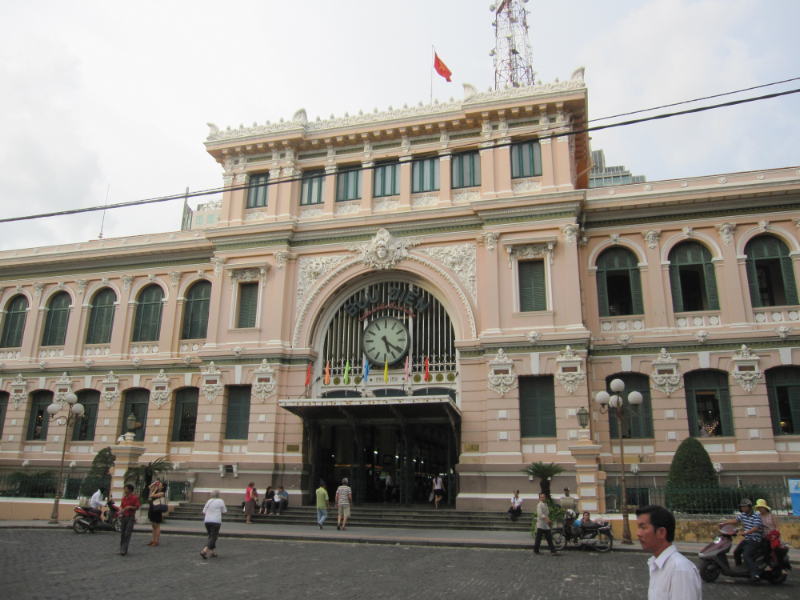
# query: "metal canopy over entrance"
368, 439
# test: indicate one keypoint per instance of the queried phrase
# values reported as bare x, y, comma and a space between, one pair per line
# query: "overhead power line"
184, 195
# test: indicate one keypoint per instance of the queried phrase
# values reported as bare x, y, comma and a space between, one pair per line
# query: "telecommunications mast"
512, 53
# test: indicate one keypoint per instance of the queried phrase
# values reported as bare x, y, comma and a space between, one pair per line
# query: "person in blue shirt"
751, 544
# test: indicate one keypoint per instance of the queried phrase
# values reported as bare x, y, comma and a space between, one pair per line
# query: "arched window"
85, 425
692, 278
39, 419
619, 286
770, 273
633, 425
14, 325
708, 403
101, 317
184, 421
783, 391
147, 325
136, 402
195, 315
55, 326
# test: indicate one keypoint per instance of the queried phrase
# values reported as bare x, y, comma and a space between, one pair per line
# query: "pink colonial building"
457, 250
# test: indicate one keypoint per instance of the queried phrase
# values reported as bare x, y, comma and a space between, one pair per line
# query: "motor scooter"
89, 519
714, 561
595, 536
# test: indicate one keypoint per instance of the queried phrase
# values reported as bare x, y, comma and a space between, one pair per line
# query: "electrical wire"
74, 211
636, 112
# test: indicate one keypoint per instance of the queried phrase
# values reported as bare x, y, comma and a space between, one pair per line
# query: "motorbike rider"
97, 503
750, 546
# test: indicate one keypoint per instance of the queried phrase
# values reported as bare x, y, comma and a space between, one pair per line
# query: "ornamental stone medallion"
570, 374
19, 391
383, 251
501, 378
110, 385
212, 382
746, 372
161, 391
665, 376
264, 383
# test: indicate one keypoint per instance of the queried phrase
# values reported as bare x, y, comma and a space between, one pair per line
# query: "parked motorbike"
714, 560
595, 536
89, 519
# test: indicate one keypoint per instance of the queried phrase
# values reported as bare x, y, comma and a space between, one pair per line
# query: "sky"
110, 100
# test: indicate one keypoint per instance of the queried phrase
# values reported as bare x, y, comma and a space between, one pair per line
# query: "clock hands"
390, 346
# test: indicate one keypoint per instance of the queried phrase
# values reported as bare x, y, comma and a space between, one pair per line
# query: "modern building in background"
457, 252
603, 176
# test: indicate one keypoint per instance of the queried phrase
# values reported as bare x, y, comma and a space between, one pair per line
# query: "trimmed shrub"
99, 475
691, 466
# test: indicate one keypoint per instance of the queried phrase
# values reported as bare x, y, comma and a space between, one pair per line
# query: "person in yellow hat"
769, 523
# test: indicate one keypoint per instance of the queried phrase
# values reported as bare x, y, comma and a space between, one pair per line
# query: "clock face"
386, 340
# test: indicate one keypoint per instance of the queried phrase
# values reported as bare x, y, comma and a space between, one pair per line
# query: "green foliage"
691, 466
557, 515
39, 484
99, 475
544, 473
146, 473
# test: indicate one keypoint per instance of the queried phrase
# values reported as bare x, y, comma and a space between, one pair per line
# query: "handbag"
160, 505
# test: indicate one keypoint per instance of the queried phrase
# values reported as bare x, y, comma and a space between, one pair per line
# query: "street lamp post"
615, 403
75, 411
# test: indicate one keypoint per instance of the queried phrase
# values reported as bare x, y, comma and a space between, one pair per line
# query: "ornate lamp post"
583, 417
615, 403
74, 412
131, 423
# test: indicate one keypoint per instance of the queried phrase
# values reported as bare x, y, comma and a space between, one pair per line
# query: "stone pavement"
40, 563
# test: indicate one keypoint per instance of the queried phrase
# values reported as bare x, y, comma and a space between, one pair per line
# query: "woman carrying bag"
158, 506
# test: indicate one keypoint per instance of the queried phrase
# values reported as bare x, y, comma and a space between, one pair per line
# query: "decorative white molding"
527, 185
43, 365
218, 263
212, 382
174, 278
688, 232
425, 200
310, 213
763, 225
188, 360
127, 280
63, 387
490, 239
530, 251
665, 376
725, 231
701, 336
534, 337
570, 232
255, 215
501, 377
264, 384
386, 204
89, 362
651, 237
81, 285
746, 374
161, 392
467, 196
19, 391
624, 340
237, 352
248, 275
282, 256
383, 251
311, 269
570, 373
462, 260
137, 362
347, 208
615, 237
783, 331
37, 289
110, 385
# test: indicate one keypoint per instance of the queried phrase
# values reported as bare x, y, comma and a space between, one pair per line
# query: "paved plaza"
37, 563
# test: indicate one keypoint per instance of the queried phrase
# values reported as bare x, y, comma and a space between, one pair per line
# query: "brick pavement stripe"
59, 564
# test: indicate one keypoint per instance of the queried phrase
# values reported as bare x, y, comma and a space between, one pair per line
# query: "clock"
386, 340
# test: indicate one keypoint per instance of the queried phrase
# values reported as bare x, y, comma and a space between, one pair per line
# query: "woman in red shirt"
250, 498
129, 506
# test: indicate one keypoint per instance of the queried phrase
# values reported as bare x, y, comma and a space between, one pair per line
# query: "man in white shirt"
97, 502
516, 506
672, 575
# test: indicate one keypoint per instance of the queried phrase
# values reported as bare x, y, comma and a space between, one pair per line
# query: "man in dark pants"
750, 546
129, 506
543, 523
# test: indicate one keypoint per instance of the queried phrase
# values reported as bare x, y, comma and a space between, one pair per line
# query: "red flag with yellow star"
441, 68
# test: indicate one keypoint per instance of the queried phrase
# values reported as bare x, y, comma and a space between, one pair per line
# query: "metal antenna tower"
512, 53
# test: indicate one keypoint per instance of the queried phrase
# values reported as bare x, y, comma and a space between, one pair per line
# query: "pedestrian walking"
344, 498
516, 506
154, 515
213, 511
322, 503
128, 506
543, 523
438, 490
672, 575
250, 496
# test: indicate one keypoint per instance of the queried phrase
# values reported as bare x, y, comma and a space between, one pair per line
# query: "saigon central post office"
424, 291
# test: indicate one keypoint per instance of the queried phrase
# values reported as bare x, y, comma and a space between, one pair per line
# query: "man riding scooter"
97, 503
750, 546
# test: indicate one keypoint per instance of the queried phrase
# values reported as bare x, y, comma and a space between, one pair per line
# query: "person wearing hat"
769, 523
750, 546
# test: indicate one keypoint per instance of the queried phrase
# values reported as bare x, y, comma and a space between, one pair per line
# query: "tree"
99, 474
545, 473
147, 473
691, 466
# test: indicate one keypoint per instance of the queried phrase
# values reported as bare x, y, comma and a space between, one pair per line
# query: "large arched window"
619, 286
101, 317
184, 421
147, 325
708, 403
14, 325
136, 403
633, 425
85, 424
39, 417
770, 273
783, 391
195, 315
55, 326
692, 278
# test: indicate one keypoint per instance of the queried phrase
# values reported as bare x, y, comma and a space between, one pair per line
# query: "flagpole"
433, 54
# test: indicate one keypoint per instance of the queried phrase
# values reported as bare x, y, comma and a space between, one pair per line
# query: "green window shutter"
55, 329
525, 286
602, 292
725, 411
147, 325
537, 410
794, 406
789, 283
14, 325
675, 286
636, 291
39, 418
136, 401
248, 303
752, 281
711, 286
539, 286
195, 316
691, 412
101, 317
184, 421
646, 416
532, 286
774, 411
3, 410
238, 421
515, 162
85, 425
257, 192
